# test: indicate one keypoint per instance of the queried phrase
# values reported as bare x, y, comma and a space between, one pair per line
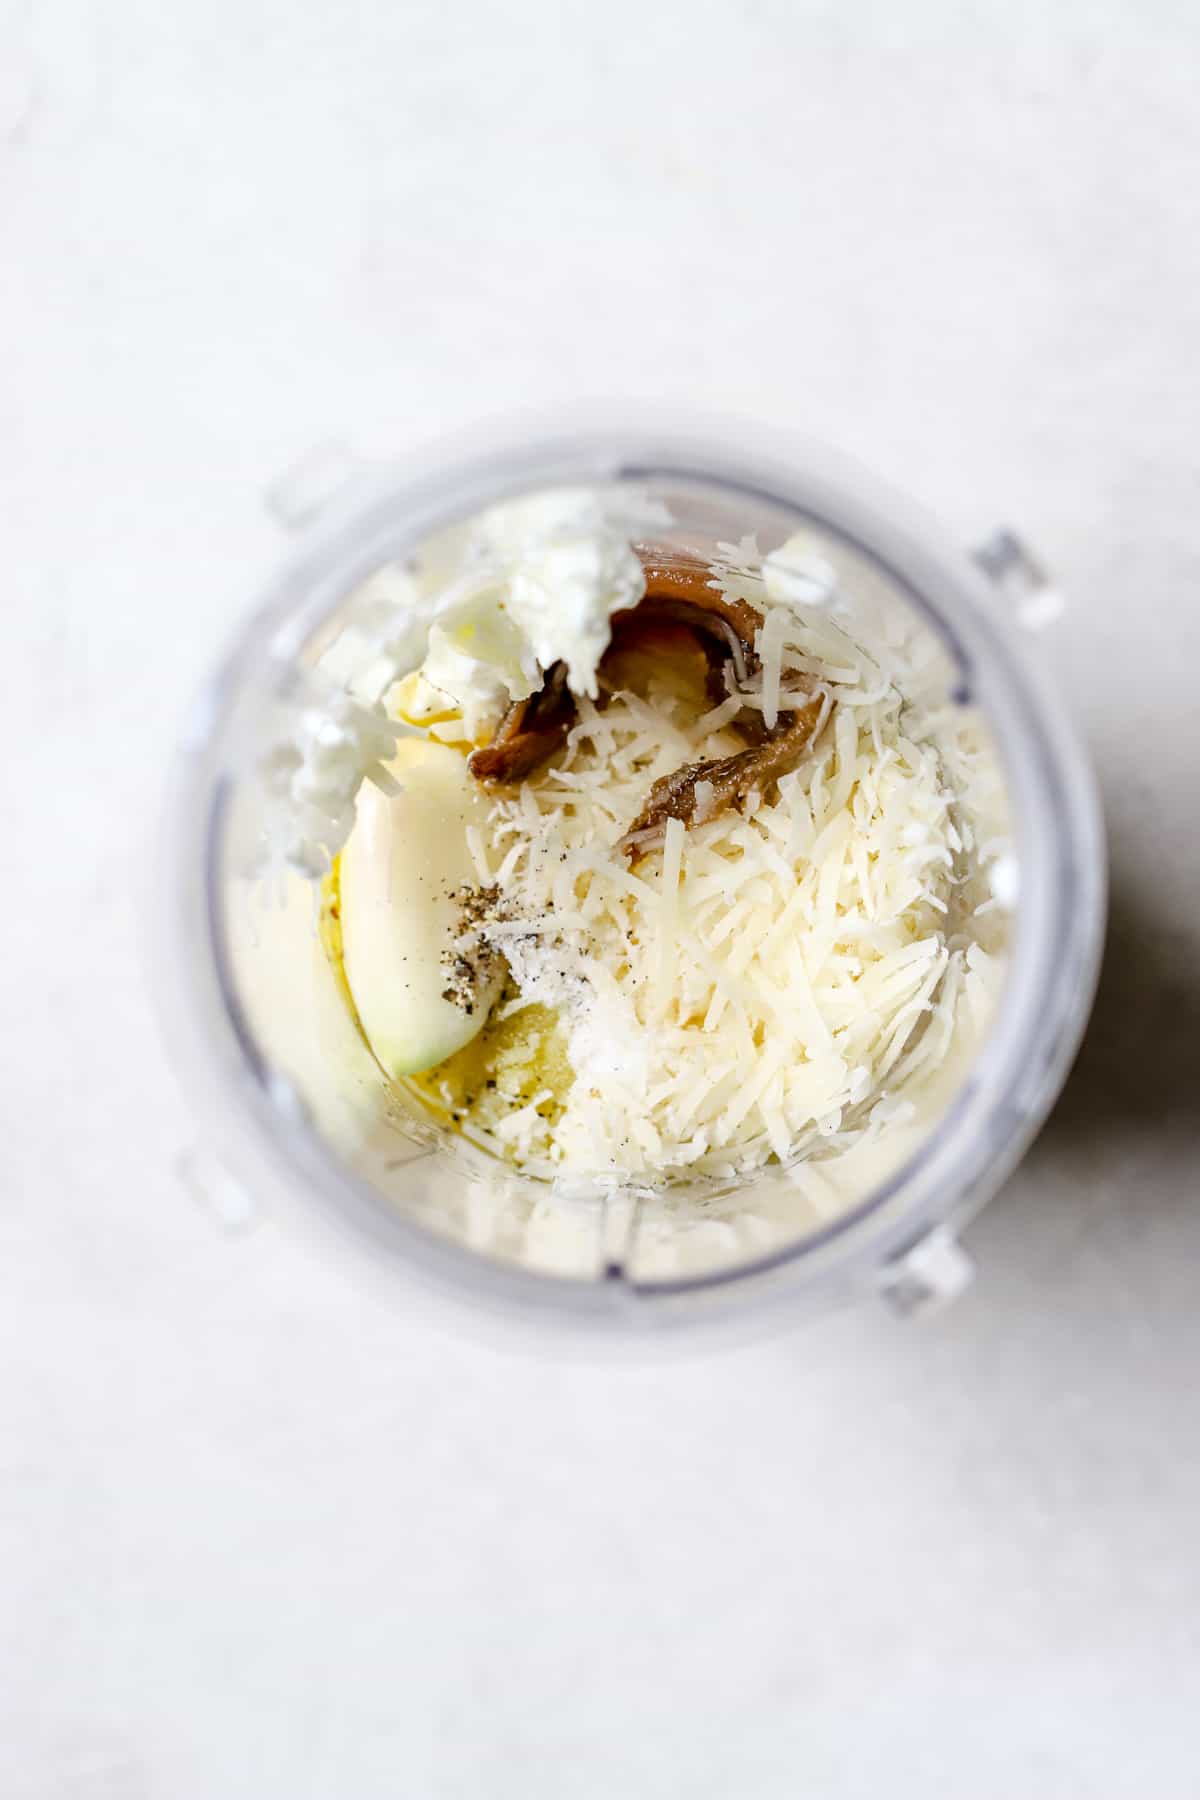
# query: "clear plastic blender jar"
295, 1105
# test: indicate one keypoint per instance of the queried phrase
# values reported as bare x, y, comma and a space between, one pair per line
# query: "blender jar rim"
1053, 961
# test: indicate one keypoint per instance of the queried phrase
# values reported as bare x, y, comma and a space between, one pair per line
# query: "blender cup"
300, 1114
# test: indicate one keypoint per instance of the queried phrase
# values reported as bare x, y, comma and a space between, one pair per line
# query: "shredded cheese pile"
765, 984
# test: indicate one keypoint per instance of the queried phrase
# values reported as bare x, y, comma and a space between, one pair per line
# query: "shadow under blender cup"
382, 1181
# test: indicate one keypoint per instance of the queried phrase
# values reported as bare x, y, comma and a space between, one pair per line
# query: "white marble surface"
266, 1537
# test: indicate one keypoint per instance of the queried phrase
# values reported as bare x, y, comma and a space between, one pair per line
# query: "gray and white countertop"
268, 1535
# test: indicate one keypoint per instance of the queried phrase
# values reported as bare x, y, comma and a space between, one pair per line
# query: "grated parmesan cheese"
763, 984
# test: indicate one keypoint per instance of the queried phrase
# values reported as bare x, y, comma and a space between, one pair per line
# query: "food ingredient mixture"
659, 871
